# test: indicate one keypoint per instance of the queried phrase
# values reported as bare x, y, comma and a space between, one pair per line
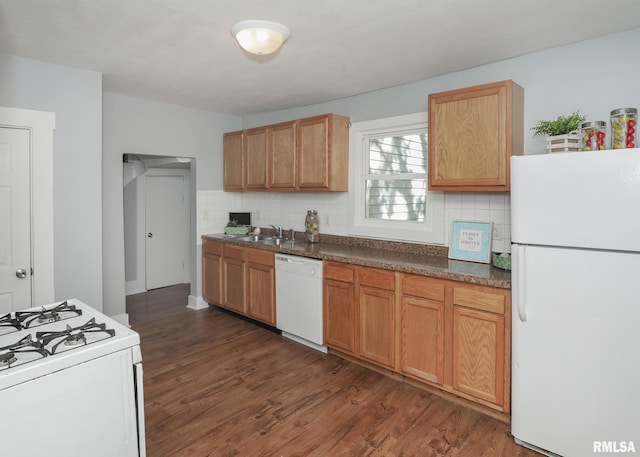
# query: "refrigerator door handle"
519, 281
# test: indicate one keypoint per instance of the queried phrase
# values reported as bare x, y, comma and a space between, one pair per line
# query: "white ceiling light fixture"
260, 37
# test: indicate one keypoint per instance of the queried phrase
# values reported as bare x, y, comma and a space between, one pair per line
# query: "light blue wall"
138, 126
75, 96
594, 76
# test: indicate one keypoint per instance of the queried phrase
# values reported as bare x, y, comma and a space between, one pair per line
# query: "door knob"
21, 273
149, 235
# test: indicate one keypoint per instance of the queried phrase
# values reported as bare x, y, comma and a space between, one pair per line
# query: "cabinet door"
212, 271
478, 354
422, 339
232, 153
339, 315
212, 278
255, 150
313, 152
377, 325
234, 278
261, 278
283, 162
472, 134
323, 153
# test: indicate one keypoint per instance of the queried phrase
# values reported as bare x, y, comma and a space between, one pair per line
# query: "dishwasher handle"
290, 259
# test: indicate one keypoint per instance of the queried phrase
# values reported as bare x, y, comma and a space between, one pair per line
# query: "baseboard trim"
197, 303
122, 318
134, 287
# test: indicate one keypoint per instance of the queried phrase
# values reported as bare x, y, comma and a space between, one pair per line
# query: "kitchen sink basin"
263, 239
255, 238
278, 241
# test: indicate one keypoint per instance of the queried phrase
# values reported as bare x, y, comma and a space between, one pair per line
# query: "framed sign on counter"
471, 240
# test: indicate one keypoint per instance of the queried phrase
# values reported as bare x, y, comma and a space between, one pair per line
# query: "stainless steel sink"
278, 241
255, 238
264, 239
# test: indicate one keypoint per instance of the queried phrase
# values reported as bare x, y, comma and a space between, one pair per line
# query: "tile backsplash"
289, 210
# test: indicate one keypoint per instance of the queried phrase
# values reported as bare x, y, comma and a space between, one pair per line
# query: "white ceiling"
181, 51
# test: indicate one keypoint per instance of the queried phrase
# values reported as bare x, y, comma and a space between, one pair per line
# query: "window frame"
432, 229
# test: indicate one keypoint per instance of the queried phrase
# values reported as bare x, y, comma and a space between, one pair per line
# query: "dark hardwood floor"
216, 385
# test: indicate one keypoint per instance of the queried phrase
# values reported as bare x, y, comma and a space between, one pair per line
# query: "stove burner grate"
62, 311
73, 336
8, 320
7, 359
9, 355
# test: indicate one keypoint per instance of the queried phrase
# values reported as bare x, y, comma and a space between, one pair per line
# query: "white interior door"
166, 231
15, 220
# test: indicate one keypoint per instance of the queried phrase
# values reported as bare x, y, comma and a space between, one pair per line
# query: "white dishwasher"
299, 299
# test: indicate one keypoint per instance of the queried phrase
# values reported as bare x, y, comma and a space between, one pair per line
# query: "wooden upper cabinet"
233, 164
306, 154
472, 134
323, 153
283, 159
255, 158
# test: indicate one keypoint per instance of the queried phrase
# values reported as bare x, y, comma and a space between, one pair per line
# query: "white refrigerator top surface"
577, 199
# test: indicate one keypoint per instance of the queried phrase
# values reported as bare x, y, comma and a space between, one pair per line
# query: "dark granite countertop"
413, 258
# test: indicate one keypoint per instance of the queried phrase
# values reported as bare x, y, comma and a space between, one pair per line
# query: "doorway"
157, 221
26, 208
15, 220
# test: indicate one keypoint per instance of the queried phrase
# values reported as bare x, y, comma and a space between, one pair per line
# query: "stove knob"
21, 273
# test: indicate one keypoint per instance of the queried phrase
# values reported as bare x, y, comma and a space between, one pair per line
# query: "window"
389, 196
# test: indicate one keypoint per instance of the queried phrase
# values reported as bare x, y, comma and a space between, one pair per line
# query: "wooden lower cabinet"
261, 291
360, 312
422, 339
481, 344
377, 315
212, 271
234, 278
478, 354
448, 334
240, 279
339, 312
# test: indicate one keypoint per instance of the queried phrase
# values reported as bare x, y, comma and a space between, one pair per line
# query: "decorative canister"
592, 136
312, 227
623, 128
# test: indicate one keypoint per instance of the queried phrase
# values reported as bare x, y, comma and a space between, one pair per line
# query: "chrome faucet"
278, 230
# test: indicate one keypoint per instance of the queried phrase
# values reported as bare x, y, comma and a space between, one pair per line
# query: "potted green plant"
562, 133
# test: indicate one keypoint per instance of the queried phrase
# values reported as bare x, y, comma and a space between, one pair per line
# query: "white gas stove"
70, 382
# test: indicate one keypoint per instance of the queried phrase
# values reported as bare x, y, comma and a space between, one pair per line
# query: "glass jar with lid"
312, 226
592, 136
623, 128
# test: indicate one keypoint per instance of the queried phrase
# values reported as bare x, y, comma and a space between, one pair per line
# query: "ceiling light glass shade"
260, 37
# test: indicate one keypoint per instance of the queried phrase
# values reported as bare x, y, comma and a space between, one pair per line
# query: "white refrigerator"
576, 302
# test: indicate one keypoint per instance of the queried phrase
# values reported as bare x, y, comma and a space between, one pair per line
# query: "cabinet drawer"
420, 286
262, 257
211, 247
338, 272
477, 299
380, 279
234, 252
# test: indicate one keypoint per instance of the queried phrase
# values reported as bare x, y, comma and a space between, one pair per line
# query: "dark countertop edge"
420, 264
